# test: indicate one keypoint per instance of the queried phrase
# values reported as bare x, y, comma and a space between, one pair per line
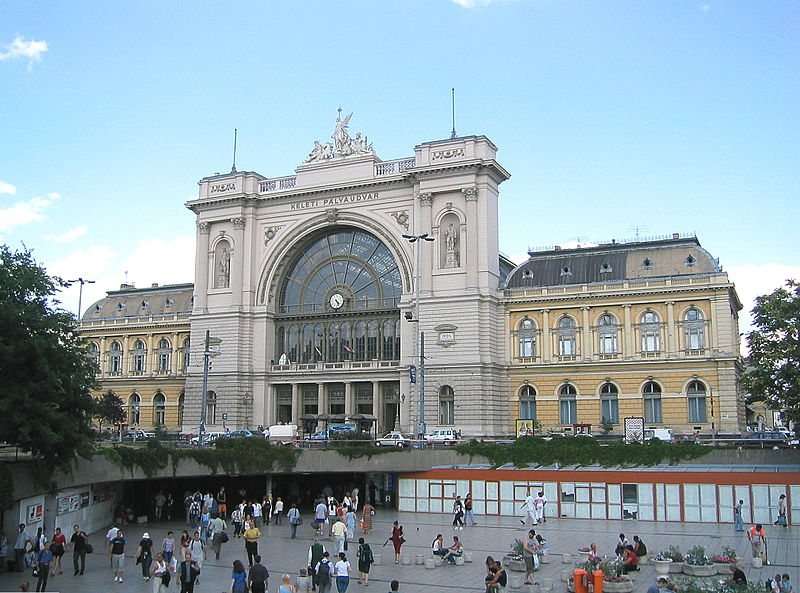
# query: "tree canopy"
45, 404
774, 362
110, 409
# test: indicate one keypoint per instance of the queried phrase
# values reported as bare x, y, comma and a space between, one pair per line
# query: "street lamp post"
210, 348
420, 343
80, 292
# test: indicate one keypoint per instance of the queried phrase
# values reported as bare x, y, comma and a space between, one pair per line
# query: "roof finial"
235, 137
453, 104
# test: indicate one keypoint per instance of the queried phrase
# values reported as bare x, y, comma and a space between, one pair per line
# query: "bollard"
377, 559
438, 561
515, 581
405, 560
579, 576
757, 562
429, 564
459, 560
418, 559
566, 558
544, 559
467, 556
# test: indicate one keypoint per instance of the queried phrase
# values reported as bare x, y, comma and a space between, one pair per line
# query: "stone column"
321, 399
348, 398
587, 335
424, 226
470, 262
295, 403
201, 268
237, 261
150, 365
672, 349
547, 346
103, 359
377, 410
627, 330
174, 354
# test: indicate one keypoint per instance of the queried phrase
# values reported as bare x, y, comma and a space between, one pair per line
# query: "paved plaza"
493, 536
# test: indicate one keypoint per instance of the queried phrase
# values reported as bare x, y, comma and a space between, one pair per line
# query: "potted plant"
697, 564
614, 578
724, 560
677, 559
514, 560
662, 562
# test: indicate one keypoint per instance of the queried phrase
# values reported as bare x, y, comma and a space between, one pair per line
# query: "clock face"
337, 300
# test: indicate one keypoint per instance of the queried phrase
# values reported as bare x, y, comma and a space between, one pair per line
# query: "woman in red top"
397, 540
630, 561
57, 546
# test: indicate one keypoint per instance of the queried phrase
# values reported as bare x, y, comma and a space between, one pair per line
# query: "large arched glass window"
650, 328
447, 405
609, 403
134, 405
607, 334
159, 409
163, 355
567, 334
696, 394
527, 338
115, 358
527, 403
651, 393
139, 357
568, 404
211, 407
694, 329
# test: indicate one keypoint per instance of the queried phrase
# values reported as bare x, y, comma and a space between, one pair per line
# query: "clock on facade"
336, 301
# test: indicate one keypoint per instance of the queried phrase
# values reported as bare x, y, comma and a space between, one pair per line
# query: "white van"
282, 434
443, 436
663, 434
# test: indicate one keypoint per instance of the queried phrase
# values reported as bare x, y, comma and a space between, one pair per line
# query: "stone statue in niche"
451, 254
224, 269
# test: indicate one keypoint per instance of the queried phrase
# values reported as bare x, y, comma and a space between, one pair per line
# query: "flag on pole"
348, 349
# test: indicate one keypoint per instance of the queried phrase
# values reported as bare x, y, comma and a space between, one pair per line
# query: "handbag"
35, 571
223, 537
89, 548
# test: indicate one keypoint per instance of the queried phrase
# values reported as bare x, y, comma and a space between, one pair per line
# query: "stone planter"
618, 587
662, 566
517, 565
676, 567
696, 570
723, 568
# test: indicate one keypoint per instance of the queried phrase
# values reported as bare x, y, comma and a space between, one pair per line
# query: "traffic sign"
224, 416
412, 372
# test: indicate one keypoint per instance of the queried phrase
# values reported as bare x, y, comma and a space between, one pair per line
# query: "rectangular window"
630, 494
697, 409
163, 361
527, 409
526, 348
608, 344
446, 412
610, 410
566, 346
651, 341
569, 411
652, 410
694, 339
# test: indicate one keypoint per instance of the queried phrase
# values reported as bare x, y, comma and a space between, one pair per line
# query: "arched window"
181, 400
134, 405
94, 353
607, 334
696, 394
694, 329
527, 338
650, 328
211, 407
159, 409
568, 404
609, 403
527, 403
652, 402
163, 355
115, 358
447, 401
186, 357
567, 333
139, 357
389, 333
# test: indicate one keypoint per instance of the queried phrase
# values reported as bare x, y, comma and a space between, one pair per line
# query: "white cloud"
21, 49
70, 235
7, 188
472, 3
26, 212
754, 280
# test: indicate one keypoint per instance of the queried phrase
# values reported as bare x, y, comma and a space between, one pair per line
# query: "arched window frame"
526, 332
115, 358
568, 404
527, 402
134, 409
211, 407
609, 403
159, 409
696, 396
567, 336
163, 355
694, 329
94, 353
139, 355
181, 404
186, 355
651, 394
446, 405
650, 331
607, 332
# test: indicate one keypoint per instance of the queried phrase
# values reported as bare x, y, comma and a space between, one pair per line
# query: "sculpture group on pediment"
342, 146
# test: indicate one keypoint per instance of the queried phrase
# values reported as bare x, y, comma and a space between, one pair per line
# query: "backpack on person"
324, 572
366, 554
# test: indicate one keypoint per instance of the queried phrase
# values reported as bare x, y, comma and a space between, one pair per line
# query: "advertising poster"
35, 512
525, 428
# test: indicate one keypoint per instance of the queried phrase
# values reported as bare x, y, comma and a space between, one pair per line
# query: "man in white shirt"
339, 531
257, 513
530, 509
319, 516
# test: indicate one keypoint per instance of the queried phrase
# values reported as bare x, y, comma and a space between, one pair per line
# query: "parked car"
766, 439
138, 435
395, 439
663, 434
443, 436
789, 436
208, 437
238, 434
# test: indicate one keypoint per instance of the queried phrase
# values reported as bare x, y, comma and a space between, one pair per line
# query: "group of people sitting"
627, 553
449, 555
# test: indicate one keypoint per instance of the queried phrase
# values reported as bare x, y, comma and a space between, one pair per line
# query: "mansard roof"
130, 301
612, 262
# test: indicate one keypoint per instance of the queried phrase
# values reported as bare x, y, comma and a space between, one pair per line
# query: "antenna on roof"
637, 229
235, 136
453, 105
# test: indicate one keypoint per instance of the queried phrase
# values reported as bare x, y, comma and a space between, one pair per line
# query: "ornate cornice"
470, 193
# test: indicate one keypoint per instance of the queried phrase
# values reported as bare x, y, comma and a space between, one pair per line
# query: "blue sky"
612, 117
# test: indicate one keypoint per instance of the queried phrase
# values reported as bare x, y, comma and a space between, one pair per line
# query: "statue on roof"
342, 146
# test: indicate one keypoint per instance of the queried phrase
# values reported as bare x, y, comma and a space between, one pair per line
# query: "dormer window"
605, 268
144, 305
647, 264
566, 271
120, 306
98, 308
690, 261
169, 303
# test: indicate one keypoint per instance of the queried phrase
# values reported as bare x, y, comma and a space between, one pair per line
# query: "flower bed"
697, 564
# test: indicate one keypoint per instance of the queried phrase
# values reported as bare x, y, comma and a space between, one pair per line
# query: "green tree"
110, 409
45, 404
774, 363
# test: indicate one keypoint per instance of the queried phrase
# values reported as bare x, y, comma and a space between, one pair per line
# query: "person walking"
159, 570
757, 538
315, 554
57, 547
158, 504
79, 540
468, 509
350, 521
278, 511
286, 584
324, 572
782, 511
339, 531
188, 571
238, 578
320, 512
168, 547
258, 577
251, 537
43, 560
342, 570
294, 519
397, 540
197, 550
541, 502
144, 555
222, 503
366, 518
216, 531
458, 513
737, 516
530, 509
529, 556
365, 560
116, 550
236, 519
20, 545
